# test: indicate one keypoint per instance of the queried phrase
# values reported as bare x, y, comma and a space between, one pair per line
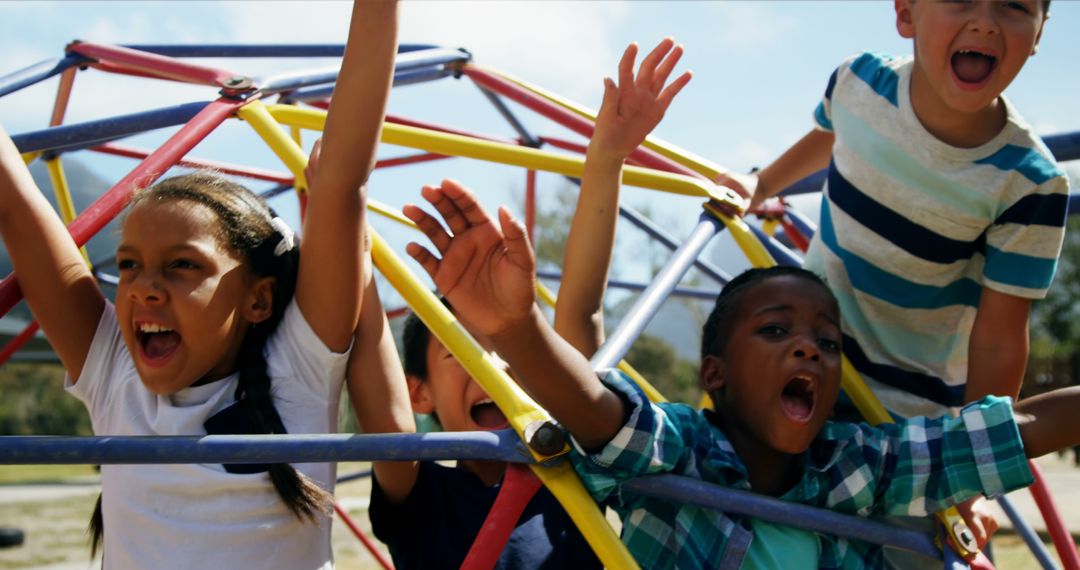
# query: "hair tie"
288, 238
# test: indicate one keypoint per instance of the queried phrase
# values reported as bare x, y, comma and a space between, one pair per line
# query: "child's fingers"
429, 262
666, 67
626, 65
446, 208
611, 98
648, 65
669, 92
466, 203
429, 226
516, 240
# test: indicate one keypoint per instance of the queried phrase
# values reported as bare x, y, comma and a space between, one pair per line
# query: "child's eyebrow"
788, 308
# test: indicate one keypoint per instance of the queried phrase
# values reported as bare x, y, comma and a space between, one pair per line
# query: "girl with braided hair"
223, 324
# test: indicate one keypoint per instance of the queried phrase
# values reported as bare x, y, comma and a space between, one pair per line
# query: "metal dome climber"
532, 446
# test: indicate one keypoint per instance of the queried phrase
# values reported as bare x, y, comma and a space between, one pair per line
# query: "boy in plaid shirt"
771, 363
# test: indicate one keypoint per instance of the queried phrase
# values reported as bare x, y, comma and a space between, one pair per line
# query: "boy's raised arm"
629, 112
330, 260
487, 272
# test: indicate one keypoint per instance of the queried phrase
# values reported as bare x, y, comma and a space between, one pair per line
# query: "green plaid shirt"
911, 468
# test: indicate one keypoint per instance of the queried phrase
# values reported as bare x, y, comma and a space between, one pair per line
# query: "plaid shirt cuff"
996, 445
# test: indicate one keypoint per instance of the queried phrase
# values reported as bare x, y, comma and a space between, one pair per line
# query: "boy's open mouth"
797, 398
157, 342
971, 66
487, 415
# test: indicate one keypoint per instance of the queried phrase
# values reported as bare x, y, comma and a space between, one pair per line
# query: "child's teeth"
153, 328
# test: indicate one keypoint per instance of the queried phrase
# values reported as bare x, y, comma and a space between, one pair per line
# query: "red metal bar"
575, 147
794, 235
568, 119
118, 69
18, 342
237, 170
113, 202
518, 488
63, 94
398, 312
530, 204
359, 532
1055, 526
156, 65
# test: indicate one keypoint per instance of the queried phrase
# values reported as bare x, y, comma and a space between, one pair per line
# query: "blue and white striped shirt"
912, 229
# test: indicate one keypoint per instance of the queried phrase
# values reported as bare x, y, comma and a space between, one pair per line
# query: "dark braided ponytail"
247, 228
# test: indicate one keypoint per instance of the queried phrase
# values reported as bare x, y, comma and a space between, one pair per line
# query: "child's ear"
904, 23
260, 302
420, 395
711, 375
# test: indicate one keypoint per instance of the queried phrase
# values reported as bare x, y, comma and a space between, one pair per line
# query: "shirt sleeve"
823, 112
305, 357
106, 355
1024, 241
922, 466
654, 439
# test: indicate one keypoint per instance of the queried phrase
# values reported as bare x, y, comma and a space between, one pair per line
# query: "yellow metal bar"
29, 157
752, 247
519, 408
389, 212
651, 392
684, 157
63, 197
296, 134
769, 227
290, 153
564, 483
457, 145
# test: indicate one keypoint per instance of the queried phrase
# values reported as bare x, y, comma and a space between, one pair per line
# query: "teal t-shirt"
777, 546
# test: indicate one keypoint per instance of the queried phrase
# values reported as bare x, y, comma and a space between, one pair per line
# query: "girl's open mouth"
797, 399
156, 342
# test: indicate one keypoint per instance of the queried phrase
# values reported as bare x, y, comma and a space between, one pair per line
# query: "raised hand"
633, 108
486, 272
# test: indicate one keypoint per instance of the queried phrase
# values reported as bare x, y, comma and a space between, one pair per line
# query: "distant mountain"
86, 186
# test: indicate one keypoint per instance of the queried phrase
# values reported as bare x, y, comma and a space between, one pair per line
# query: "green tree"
1055, 320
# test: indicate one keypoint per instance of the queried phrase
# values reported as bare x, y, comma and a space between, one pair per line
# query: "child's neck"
489, 472
770, 472
955, 128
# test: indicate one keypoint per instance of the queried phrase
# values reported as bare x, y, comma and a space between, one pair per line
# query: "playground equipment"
533, 441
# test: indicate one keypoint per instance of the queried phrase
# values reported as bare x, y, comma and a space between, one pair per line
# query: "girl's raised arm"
53, 276
329, 288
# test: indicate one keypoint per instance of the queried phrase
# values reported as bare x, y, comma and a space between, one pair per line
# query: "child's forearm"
561, 380
1049, 422
379, 394
330, 260
807, 156
998, 347
579, 312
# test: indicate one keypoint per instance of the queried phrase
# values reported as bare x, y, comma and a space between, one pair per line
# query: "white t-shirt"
200, 516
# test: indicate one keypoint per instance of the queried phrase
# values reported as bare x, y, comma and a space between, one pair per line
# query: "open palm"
485, 271
633, 108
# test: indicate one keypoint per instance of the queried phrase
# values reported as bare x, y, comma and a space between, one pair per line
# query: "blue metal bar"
90, 133
697, 492
691, 292
618, 343
1064, 146
800, 221
401, 78
501, 445
808, 185
500, 106
781, 254
278, 50
657, 233
38, 72
408, 62
1038, 549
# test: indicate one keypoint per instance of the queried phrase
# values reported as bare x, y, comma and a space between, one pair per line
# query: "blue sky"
760, 68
